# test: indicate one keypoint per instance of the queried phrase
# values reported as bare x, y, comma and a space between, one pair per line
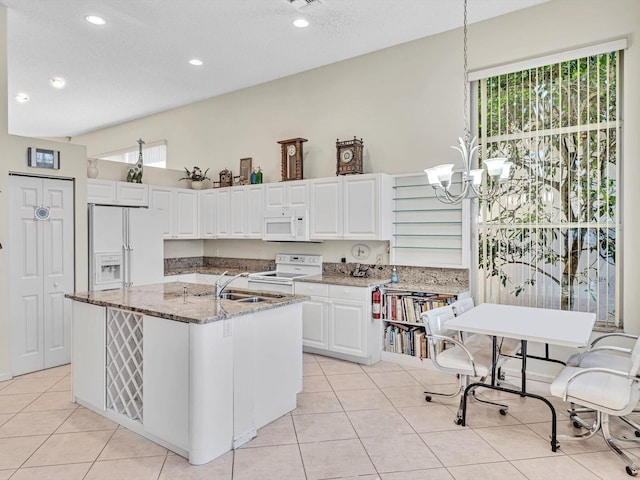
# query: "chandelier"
498, 169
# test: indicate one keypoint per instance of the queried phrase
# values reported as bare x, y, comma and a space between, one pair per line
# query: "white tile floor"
352, 422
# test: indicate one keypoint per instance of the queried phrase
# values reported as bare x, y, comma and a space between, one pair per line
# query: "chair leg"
632, 467
504, 409
428, 395
591, 429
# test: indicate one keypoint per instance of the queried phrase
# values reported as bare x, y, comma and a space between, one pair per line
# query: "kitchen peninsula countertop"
167, 300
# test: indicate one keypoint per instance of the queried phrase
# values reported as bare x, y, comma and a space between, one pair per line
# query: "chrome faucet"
220, 287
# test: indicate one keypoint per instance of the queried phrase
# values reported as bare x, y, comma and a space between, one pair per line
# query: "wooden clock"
292, 158
349, 156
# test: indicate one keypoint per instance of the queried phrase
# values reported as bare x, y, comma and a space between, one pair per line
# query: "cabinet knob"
56, 284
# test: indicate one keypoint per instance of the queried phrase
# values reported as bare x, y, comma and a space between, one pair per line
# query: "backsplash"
424, 276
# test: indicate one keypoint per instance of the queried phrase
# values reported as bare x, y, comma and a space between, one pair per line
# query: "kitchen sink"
253, 300
239, 296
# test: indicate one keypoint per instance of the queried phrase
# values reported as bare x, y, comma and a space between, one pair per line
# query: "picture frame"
43, 158
245, 168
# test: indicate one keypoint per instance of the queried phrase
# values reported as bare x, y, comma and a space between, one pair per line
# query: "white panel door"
160, 199
41, 272
347, 327
186, 213
325, 209
361, 207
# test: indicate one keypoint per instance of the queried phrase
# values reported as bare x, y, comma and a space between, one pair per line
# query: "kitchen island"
195, 373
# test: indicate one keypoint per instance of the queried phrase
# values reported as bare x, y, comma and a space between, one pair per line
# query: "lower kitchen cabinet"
337, 322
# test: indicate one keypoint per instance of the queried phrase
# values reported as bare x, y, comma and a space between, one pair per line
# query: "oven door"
271, 286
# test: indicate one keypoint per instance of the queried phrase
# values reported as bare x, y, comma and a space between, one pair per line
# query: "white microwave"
286, 224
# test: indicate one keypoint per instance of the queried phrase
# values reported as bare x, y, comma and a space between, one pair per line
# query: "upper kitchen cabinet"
325, 208
222, 205
107, 192
246, 212
356, 207
207, 211
287, 194
367, 207
180, 207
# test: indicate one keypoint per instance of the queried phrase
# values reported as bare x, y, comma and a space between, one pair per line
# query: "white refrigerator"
126, 247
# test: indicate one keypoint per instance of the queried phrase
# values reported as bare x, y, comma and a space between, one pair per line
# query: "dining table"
527, 324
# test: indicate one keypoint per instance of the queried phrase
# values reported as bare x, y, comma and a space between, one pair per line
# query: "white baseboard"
5, 376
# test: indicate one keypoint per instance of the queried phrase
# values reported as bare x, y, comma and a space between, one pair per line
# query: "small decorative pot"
196, 184
92, 169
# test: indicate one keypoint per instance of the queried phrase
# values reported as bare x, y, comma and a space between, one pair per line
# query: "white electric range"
288, 268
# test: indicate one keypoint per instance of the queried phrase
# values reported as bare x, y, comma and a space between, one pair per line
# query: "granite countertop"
166, 300
346, 280
202, 269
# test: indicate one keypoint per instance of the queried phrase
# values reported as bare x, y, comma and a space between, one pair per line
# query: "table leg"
494, 358
463, 420
523, 371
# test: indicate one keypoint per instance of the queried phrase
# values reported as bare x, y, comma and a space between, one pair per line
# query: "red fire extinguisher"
376, 306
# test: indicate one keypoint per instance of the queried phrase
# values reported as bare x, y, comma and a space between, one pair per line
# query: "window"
552, 239
154, 154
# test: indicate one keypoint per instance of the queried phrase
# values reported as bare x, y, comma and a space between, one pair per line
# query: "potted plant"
197, 176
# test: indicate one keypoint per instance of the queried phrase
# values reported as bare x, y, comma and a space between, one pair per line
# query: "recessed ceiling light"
22, 97
95, 20
195, 61
301, 23
57, 82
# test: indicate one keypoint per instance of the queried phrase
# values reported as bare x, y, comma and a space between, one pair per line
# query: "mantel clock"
349, 156
292, 157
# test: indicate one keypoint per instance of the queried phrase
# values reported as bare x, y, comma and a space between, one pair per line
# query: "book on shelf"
407, 307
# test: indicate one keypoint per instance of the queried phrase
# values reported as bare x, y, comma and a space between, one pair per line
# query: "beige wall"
13, 159
405, 102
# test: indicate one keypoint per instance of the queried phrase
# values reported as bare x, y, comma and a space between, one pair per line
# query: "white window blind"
552, 239
427, 232
153, 154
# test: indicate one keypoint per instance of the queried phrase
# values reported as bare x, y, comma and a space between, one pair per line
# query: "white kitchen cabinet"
107, 192
207, 212
165, 375
367, 207
337, 322
246, 212
222, 208
180, 207
133, 194
325, 209
88, 355
354, 207
287, 194
101, 191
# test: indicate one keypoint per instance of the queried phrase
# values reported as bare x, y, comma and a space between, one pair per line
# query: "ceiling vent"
303, 4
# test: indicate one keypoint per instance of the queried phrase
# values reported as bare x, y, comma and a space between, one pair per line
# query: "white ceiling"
137, 64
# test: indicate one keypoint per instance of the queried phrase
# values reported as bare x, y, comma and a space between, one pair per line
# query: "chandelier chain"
467, 133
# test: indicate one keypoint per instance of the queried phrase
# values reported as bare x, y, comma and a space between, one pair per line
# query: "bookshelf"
403, 333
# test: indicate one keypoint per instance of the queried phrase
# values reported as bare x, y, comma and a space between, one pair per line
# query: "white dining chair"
614, 356
451, 355
606, 391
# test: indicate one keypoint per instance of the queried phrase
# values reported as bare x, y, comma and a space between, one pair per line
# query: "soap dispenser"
394, 275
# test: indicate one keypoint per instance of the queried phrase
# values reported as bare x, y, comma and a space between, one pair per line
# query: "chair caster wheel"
457, 421
632, 472
428, 398
503, 411
637, 433
578, 425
